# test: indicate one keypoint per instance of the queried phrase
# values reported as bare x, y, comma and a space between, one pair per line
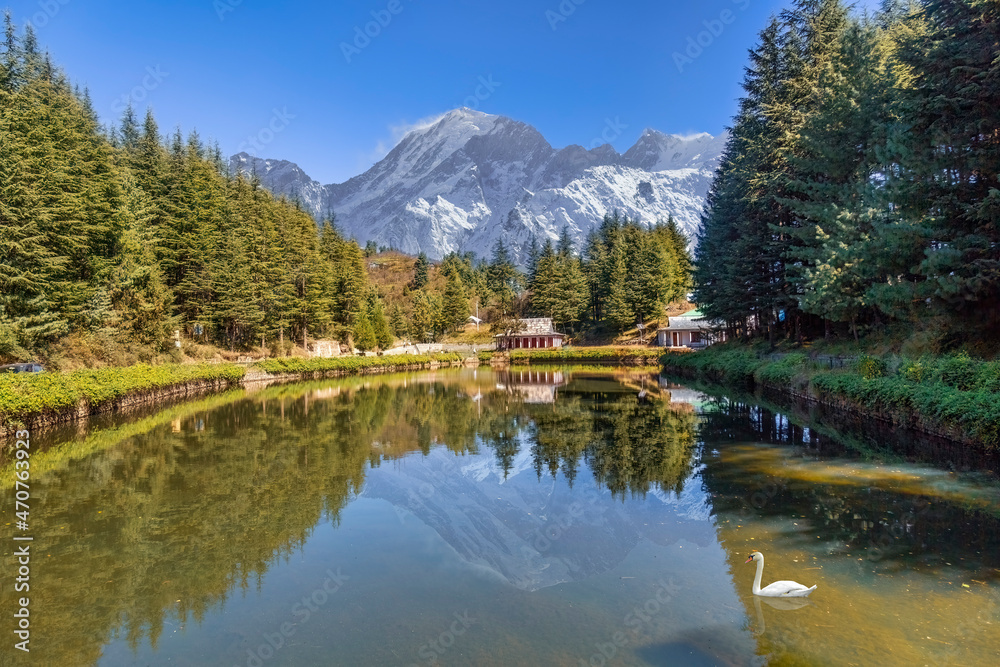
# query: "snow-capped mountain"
471, 178
531, 533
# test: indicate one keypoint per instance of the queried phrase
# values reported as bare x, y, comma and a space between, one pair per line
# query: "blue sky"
332, 85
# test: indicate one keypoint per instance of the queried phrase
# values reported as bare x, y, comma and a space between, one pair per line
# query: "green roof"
693, 314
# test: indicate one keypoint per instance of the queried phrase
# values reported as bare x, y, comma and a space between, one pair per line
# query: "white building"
690, 330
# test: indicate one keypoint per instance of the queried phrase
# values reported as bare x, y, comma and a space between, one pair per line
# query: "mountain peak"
650, 134
465, 116
457, 126
468, 113
464, 179
656, 151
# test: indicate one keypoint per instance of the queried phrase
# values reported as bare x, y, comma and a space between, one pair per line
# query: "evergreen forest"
859, 190
118, 241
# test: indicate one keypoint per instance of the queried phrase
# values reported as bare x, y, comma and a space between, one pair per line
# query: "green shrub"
988, 377
722, 362
871, 367
954, 392
783, 371
959, 371
914, 371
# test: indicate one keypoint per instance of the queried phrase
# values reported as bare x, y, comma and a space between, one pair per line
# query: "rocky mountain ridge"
470, 178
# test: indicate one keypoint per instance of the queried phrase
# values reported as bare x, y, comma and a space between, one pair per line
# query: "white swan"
779, 589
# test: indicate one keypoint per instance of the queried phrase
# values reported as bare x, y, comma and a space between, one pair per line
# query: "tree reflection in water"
158, 521
923, 517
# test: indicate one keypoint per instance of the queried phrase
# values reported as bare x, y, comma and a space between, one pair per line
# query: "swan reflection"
782, 604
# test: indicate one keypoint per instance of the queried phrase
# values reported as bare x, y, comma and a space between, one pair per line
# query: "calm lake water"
471, 517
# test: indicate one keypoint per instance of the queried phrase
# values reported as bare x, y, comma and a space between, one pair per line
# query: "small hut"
536, 333
689, 330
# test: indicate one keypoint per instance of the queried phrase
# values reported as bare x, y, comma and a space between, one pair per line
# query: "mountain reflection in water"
555, 497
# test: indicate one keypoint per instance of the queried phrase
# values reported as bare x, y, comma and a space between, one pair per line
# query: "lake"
573, 516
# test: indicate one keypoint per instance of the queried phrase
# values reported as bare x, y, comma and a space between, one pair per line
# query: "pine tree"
10, 63
648, 273
204, 215
742, 271
235, 310
54, 173
376, 316
455, 304
305, 302
420, 271
838, 204
128, 130
721, 270
364, 334
27, 265
950, 161
543, 287
572, 295
619, 309
565, 247
595, 259
148, 162
398, 324
560, 288
675, 244
503, 279
352, 282
534, 252
135, 284
425, 317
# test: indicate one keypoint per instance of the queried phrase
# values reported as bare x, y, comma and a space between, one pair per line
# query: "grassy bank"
27, 399
24, 395
626, 356
348, 365
953, 395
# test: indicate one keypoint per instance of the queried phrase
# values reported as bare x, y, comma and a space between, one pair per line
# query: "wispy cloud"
396, 132
690, 136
